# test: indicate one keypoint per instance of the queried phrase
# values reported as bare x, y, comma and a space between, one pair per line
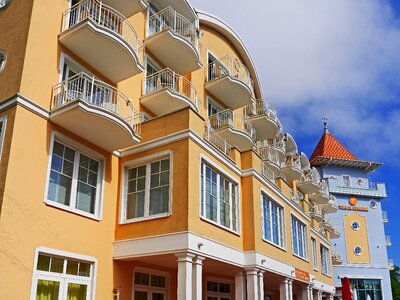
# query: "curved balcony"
336, 259
229, 80
316, 213
174, 40
103, 38
270, 157
215, 140
267, 173
322, 196
297, 197
334, 233
128, 7
326, 224
279, 144
309, 181
331, 207
233, 128
291, 167
165, 92
290, 144
96, 112
263, 117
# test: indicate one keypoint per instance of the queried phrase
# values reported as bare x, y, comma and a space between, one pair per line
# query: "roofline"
368, 166
223, 28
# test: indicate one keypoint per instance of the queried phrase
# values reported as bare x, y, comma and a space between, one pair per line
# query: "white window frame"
147, 160
233, 182
325, 260
305, 238
219, 295
344, 181
314, 253
79, 149
151, 289
71, 63
282, 232
3, 122
211, 101
64, 278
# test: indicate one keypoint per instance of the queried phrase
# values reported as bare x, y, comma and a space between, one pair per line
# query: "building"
361, 251
140, 161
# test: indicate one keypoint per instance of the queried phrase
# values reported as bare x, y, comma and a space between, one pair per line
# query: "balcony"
297, 197
96, 112
291, 167
267, 173
309, 181
165, 92
388, 240
127, 7
336, 259
103, 38
214, 139
322, 196
391, 264
316, 213
233, 128
229, 80
263, 117
270, 157
334, 233
368, 189
331, 207
279, 144
385, 218
326, 224
174, 40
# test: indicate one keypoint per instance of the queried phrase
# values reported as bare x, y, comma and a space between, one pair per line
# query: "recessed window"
325, 260
357, 250
148, 190
4, 3
314, 253
57, 277
219, 202
299, 238
75, 180
3, 56
150, 284
219, 289
373, 204
273, 222
355, 225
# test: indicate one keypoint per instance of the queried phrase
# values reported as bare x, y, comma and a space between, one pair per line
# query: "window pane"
84, 269
72, 267
76, 291
159, 200
155, 167
139, 295
157, 281
86, 198
157, 296
135, 205
47, 290
59, 188
142, 278
57, 265
212, 286
43, 263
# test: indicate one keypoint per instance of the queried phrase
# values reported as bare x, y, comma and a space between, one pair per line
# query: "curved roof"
225, 30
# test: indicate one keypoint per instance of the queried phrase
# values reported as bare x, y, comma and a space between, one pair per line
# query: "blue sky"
333, 58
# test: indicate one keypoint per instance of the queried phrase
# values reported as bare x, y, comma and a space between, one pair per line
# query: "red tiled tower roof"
329, 146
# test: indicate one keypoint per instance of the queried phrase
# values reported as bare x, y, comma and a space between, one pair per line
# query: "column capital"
198, 259
251, 271
185, 256
261, 272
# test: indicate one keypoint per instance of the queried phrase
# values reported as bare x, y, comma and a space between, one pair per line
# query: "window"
150, 284
325, 260
218, 198
3, 55
346, 181
75, 180
213, 107
4, 3
299, 238
365, 287
355, 225
2, 133
218, 290
60, 278
148, 190
273, 222
314, 253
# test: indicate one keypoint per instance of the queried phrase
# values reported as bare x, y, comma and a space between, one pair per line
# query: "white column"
331, 297
285, 290
197, 280
184, 275
306, 294
319, 295
261, 284
239, 286
310, 291
252, 284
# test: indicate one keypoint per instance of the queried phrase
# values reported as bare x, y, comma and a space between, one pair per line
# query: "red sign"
303, 275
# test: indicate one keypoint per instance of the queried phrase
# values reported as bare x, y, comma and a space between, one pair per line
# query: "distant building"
360, 253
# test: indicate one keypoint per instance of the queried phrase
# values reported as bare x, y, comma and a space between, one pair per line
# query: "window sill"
275, 245
142, 219
71, 210
327, 275
220, 226
302, 258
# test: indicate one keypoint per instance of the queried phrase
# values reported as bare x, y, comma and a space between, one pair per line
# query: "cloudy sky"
333, 58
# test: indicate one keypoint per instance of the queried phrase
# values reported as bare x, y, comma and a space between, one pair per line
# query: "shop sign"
302, 275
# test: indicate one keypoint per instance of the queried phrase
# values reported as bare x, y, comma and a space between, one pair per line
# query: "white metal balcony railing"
297, 197
170, 19
261, 107
217, 141
232, 67
279, 143
323, 189
388, 240
107, 18
268, 153
267, 173
95, 92
227, 118
168, 79
391, 264
292, 161
310, 175
316, 212
385, 217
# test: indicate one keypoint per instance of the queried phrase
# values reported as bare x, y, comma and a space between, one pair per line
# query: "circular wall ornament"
373, 204
353, 201
355, 225
357, 250
4, 3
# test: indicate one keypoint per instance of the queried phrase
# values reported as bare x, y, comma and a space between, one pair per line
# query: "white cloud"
338, 58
